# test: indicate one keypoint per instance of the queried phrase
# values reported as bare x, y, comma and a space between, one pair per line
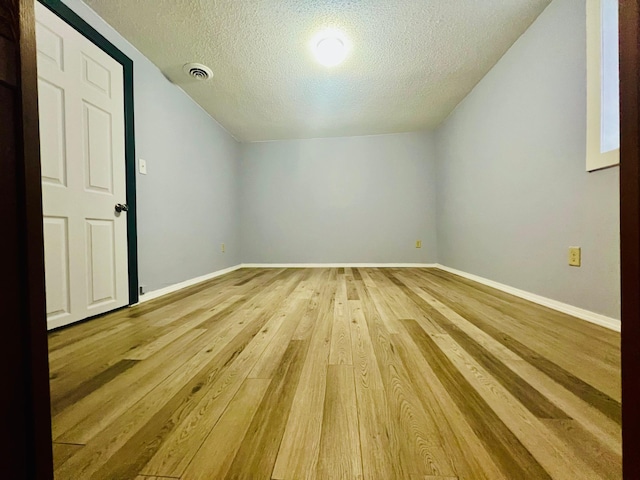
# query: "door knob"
122, 207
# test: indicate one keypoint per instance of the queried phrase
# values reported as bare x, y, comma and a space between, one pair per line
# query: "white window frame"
596, 159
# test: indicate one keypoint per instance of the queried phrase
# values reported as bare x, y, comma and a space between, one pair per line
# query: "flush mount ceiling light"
330, 48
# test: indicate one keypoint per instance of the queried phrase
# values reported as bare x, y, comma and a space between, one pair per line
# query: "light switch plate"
142, 166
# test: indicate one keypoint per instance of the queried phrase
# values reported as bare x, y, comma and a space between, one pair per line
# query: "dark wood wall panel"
24, 404
630, 232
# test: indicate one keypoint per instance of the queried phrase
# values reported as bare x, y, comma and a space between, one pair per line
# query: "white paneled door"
81, 101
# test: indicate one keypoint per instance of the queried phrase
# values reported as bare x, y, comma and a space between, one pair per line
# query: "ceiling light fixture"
330, 48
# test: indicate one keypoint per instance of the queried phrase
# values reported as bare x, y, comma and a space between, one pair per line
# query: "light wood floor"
335, 373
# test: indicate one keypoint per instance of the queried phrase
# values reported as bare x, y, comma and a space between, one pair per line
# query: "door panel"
96, 75
83, 173
97, 149
52, 135
101, 274
56, 253
50, 46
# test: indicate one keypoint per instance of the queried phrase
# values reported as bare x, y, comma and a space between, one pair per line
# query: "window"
603, 85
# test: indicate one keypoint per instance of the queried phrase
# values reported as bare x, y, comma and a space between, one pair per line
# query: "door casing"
630, 232
25, 413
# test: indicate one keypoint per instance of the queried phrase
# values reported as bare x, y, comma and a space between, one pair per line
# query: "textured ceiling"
411, 62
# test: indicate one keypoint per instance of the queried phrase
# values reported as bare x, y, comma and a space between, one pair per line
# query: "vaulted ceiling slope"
411, 62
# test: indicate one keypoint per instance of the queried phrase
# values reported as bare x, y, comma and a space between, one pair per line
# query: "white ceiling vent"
198, 71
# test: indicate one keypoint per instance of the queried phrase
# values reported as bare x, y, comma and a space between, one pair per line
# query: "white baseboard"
187, 283
338, 265
592, 317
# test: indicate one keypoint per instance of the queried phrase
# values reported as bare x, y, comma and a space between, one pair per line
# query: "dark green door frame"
86, 30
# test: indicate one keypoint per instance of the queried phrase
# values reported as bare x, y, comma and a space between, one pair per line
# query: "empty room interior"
331, 239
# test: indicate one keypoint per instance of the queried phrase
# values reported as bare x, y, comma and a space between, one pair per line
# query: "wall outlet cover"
575, 256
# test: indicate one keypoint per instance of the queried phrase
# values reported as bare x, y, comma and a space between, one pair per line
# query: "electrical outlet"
142, 166
575, 256
418, 243
222, 247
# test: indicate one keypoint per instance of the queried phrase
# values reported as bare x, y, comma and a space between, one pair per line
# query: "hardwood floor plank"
533, 400
161, 308
378, 437
431, 477
66, 373
277, 374
387, 288
299, 450
183, 392
214, 457
352, 291
324, 289
420, 450
505, 447
91, 414
144, 352
190, 427
250, 278
340, 353
340, 455
602, 427
88, 343
69, 335
63, 452
185, 293
257, 454
540, 316
104, 456
71, 369
270, 359
549, 451
537, 403
468, 454
586, 446
292, 311
180, 319
600, 400
549, 326
74, 395
250, 300
388, 313
176, 313
147, 477
530, 324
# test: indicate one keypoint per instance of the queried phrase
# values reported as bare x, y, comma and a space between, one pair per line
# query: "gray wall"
513, 193
351, 199
187, 204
